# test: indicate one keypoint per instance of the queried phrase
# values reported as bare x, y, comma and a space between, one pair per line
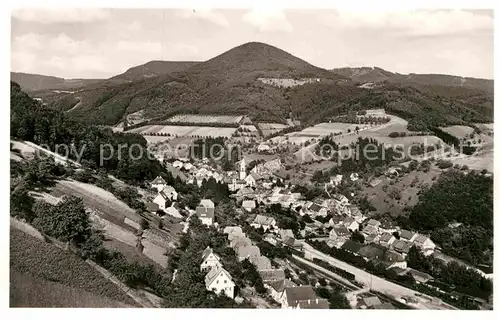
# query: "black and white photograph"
262, 157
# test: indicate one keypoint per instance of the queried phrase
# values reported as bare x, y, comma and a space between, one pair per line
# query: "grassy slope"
38, 267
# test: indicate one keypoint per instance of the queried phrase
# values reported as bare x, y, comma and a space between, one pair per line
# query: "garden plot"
270, 128
194, 131
157, 139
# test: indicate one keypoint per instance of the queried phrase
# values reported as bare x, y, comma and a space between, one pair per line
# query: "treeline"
353, 118
457, 277
284, 131
461, 198
123, 155
326, 146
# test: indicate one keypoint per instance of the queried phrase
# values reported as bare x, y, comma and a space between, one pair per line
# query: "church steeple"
243, 169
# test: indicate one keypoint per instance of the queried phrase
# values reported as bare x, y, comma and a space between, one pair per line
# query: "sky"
101, 43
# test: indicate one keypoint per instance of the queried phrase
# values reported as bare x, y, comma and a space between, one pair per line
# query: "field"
270, 128
45, 276
383, 202
185, 131
157, 139
205, 119
459, 132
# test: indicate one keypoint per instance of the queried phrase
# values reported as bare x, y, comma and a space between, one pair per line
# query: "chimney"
308, 301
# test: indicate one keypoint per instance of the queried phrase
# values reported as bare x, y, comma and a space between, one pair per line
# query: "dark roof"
351, 246
372, 251
152, 207
204, 212
401, 246
372, 301
280, 285
315, 207
314, 304
405, 234
385, 305
341, 231
158, 180
385, 237
296, 294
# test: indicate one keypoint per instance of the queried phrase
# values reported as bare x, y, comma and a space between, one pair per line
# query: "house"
250, 180
158, 183
373, 223
207, 203
285, 234
162, 200
236, 185
424, 244
401, 246
352, 246
419, 276
317, 303
152, 207
206, 214
340, 199
386, 239
351, 224
371, 301
383, 306
294, 244
293, 295
263, 147
249, 205
233, 229
339, 232
261, 263
317, 210
407, 235
272, 275
369, 229
335, 181
209, 259
247, 252
220, 281
354, 176
371, 238
372, 252
264, 222
276, 288
237, 240
393, 259
188, 166
336, 220
354, 211
173, 211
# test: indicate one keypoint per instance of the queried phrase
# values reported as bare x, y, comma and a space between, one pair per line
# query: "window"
225, 281
217, 282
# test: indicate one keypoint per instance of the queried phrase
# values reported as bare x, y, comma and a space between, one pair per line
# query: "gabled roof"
280, 285
405, 234
231, 229
341, 231
372, 251
204, 212
420, 239
207, 203
371, 301
247, 251
263, 220
261, 262
369, 229
351, 246
158, 180
207, 252
295, 294
348, 221
373, 222
152, 207
315, 207
402, 246
214, 273
385, 237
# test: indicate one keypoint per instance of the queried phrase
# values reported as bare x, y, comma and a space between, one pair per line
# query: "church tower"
243, 170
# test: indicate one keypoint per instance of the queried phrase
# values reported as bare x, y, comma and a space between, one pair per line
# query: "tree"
358, 237
66, 221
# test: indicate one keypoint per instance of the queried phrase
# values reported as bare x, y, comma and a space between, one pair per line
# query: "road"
376, 283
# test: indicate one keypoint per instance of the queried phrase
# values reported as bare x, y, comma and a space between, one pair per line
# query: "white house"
243, 170
407, 235
209, 259
220, 281
354, 176
158, 183
207, 203
276, 288
249, 205
162, 200
425, 244
293, 295
250, 180
264, 222
335, 181
173, 211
